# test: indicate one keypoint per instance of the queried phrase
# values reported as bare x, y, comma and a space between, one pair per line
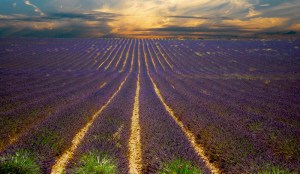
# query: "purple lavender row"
51, 55
42, 91
22, 120
162, 138
197, 102
55, 133
111, 130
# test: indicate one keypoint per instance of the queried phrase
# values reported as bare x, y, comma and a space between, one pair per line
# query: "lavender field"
226, 106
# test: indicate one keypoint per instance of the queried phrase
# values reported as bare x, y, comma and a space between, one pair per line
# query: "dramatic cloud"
36, 9
165, 18
257, 23
56, 25
252, 13
295, 27
264, 5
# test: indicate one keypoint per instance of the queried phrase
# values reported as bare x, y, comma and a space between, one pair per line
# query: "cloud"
252, 12
85, 16
142, 15
54, 29
264, 5
36, 9
55, 25
3, 17
151, 17
199, 32
295, 27
259, 23
285, 9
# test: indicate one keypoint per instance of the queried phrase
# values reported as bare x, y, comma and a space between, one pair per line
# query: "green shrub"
96, 163
21, 162
274, 170
179, 166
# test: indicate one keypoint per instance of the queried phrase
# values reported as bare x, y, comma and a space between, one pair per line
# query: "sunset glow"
149, 18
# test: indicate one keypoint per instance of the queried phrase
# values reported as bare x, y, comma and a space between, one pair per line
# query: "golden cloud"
252, 12
257, 23
295, 27
141, 16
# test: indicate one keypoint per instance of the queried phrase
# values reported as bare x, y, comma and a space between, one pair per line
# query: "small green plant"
274, 170
96, 163
21, 162
179, 166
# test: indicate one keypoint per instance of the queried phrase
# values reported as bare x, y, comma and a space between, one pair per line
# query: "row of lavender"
212, 56
244, 123
44, 106
30, 93
56, 104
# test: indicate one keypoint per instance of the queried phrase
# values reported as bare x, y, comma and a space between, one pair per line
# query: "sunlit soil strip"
111, 51
104, 54
127, 55
163, 55
113, 58
190, 136
132, 57
120, 57
13, 138
103, 85
62, 161
158, 59
151, 57
134, 145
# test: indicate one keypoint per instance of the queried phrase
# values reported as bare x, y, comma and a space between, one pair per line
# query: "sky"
150, 18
